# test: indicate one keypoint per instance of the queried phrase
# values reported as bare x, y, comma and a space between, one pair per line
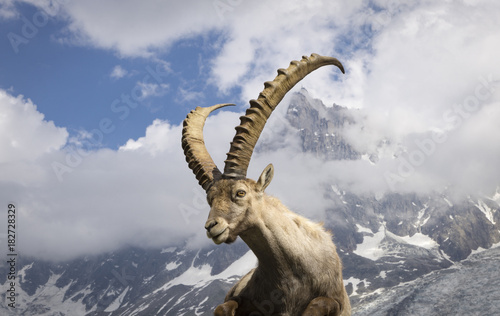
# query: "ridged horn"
196, 153
252, 123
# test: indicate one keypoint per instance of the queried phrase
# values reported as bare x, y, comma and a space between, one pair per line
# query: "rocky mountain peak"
320, 127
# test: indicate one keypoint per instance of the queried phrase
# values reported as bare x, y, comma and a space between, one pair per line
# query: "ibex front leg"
322, 306
226, 309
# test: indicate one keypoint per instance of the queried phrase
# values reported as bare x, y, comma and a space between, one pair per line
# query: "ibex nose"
210, 224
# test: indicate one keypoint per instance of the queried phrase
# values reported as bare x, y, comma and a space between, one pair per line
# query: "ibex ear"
265, 178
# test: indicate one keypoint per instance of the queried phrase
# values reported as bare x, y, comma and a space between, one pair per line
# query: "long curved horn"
196, 153
252, 123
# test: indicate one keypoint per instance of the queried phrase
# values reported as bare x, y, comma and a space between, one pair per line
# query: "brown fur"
299, 271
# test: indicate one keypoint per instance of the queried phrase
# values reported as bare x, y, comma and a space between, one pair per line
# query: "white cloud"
429, 66
7, 9
384, 49
188, 95
280, 32
137, 28
24, 134
410, 69
118, 72
157, 139
142, 194
150, 89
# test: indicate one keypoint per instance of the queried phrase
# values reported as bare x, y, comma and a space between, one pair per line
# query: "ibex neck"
275, 239
266, 247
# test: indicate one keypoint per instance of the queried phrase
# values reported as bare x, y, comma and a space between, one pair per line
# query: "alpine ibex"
298, 271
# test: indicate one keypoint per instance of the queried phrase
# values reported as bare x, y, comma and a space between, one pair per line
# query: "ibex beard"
297, 259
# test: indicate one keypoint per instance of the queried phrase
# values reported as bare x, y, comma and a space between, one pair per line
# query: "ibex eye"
240, 193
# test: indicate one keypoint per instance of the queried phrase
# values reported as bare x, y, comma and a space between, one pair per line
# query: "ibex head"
233, 197
234, 206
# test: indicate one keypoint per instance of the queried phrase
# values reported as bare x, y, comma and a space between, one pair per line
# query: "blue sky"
76, 86
93, 93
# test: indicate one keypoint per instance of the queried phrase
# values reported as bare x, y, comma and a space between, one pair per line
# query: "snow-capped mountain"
170, 281
469, 287
403, 253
